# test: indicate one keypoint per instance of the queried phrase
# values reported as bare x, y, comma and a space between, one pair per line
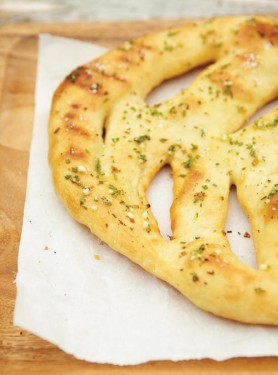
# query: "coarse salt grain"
130, 215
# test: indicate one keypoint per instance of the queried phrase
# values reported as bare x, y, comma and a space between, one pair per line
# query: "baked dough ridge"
106, 145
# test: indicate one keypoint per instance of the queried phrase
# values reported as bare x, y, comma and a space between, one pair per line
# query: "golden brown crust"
106, 145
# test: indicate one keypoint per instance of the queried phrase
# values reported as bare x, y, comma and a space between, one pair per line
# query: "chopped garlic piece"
86, 191
267, 45
81, 168
145, 224
145, 215
264, 266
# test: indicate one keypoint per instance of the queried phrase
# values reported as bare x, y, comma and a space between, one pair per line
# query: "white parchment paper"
108, 310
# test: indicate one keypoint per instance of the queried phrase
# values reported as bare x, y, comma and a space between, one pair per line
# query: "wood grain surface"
20, 351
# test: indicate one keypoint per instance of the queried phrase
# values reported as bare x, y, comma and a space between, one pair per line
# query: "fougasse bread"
107, 144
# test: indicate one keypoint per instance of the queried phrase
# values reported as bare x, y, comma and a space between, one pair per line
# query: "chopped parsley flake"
198, 254
262, 125
168, 47
73, 76
75, 180
142, 138
272, 192
228, 91
251, 149
260, 290
173, 110
155, 112
200, 196
142, 158
171, 150
194, 147
195, 277
173, 33
114, 191
189, 163
98, 167
106, 201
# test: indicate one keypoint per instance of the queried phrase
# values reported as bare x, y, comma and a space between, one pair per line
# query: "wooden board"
20, 351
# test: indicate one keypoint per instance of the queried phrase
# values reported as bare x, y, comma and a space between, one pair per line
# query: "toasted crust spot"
75, 153
272, 207
77, 129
